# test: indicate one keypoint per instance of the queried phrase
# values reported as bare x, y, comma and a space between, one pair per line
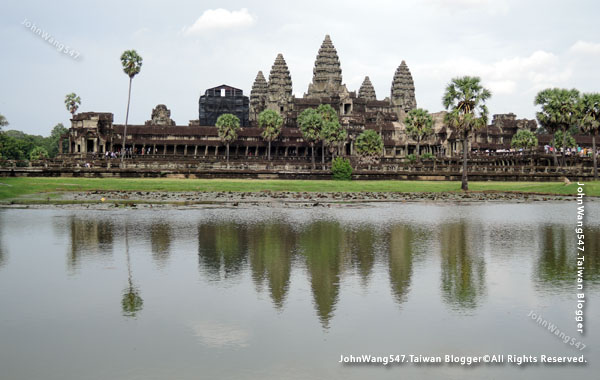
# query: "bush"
411, 157
341, 169
427, 156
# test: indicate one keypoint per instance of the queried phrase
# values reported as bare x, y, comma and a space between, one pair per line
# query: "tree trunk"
564, 148
465, 184
594, 156
269, 153
312, 150
126, 120
323, 152
227, 154
554, 152
418, 150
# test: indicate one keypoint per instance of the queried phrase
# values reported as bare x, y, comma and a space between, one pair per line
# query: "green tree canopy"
227, 127
38, 153
559, 111
310, 122
271, 123
72, 102
369, 145
563, 139
3, 122
589, 111
524, 139
465, 98
419, 125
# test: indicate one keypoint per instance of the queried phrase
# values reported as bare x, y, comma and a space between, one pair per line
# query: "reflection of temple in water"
463, 266
270, 248
319, 243
222, 249
557, 265
90, 239
400, 257
160, 242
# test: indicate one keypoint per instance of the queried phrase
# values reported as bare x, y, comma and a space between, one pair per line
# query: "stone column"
195, 150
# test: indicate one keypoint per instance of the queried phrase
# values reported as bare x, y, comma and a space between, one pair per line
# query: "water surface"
273, 293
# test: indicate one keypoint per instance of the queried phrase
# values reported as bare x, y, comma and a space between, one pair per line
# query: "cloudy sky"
516, 47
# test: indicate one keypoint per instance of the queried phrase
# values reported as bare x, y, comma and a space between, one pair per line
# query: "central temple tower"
327, 73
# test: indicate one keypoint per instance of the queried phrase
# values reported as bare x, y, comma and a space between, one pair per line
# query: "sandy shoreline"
164, 199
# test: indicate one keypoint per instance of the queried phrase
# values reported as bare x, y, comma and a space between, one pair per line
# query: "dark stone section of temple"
223, 99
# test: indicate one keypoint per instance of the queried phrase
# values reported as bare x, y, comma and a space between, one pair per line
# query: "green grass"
11, 188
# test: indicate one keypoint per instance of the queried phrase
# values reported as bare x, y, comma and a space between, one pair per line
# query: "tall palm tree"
310, 122
559, 112
132, 64
271, 123
228, 126
72, 102
419, 126
590, 121
465, 98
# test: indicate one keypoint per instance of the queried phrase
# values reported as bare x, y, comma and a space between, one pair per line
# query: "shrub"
341, 169
411, 157
427, 156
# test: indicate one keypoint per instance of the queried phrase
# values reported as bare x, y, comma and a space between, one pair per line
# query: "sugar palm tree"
419, 126
590, 121
271, 123
3, 122
72, 102
228, 126
330, 119
465, 98
132, 64
559, 112
310, 122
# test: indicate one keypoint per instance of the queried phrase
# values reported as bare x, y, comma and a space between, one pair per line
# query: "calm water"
263, 293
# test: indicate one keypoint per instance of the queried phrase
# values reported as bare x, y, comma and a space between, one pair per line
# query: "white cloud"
584, 47
220, 19
506, 76
490, 6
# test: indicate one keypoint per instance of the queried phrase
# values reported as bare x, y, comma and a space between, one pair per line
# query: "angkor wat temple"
94, 132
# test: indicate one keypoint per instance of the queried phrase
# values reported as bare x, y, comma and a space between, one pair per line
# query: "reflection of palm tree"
270, 248
160, 240
401, 242
320, 244
463, 271
132, 301
221, 247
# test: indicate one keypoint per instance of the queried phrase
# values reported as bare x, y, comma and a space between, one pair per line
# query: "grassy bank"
16, 187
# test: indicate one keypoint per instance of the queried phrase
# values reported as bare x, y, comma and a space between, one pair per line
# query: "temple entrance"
90, 146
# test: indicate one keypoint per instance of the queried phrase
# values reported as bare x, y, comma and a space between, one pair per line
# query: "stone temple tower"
279, 88
367, 91
258, 96
327, 73
403, 90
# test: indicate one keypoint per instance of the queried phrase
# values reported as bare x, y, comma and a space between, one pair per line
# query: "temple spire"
367, 91
403, 89
279, 88
258, 96
327, 73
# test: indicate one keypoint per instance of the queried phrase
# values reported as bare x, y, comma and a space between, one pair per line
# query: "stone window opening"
347, 108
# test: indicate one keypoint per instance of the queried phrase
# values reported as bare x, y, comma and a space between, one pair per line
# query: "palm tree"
590, 121
333, 135
310, 122
419, 126
3, 122
329, 117
559, 112
132, 64
465, 98
271, 121
228, 126
131, 301
369, 146
72, 102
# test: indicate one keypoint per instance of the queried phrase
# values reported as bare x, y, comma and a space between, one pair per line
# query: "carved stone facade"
367, 91
279, 88
95, 133
403, 90
258, 96
161, 115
